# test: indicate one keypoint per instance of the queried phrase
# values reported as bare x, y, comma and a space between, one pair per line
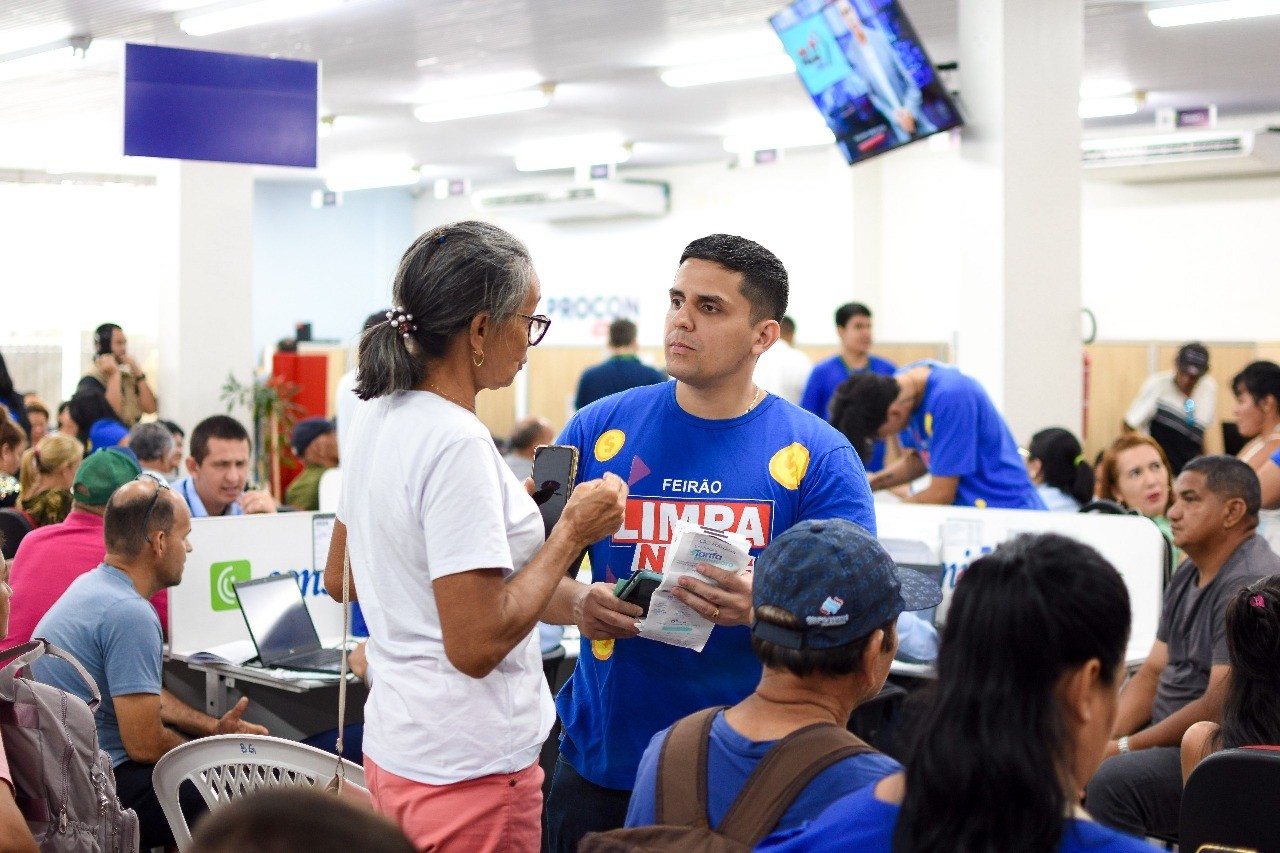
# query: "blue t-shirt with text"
863, 823
755, 475
826, 377
730, 760
958, 433
115, 634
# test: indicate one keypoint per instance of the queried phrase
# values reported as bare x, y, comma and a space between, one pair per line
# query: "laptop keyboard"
319, 657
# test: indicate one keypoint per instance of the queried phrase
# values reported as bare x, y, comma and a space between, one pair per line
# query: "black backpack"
680, 804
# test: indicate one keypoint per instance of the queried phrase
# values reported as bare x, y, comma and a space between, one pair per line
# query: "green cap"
101, 473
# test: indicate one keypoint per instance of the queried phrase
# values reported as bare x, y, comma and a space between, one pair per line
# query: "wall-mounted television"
867, 72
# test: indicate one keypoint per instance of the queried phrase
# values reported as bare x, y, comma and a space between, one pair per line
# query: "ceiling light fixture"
62, 55
223, 18
1206, 13
507, 102
371, 173
1126, 105
571, 153
747, 68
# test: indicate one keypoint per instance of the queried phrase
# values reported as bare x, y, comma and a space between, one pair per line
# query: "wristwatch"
1123, 745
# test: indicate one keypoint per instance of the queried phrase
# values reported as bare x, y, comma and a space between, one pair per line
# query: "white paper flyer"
670, 620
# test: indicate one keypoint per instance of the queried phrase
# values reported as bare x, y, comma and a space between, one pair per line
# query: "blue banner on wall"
200, 105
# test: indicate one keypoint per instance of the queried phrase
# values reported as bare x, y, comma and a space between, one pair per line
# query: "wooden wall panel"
899, 354
1116, 373
497, 410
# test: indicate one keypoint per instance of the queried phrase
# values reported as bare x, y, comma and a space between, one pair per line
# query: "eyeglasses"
161, 486
538, 326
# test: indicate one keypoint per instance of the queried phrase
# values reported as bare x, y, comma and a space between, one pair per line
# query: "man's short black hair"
526, 434
177, 431
860, 406
622, 333
849, 310
764, 278
122, 527
1228, 477
219, 426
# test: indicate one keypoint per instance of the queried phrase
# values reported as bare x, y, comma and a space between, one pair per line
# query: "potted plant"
272, 406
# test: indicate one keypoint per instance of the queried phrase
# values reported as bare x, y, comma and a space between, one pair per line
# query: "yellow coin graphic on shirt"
602, 649
608, 444
928, 423
789, 465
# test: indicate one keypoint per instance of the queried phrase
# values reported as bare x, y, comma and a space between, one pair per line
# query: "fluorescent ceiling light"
62, 55
372, 173
475, 87
225, 18
768, 65
1108, 107
1205, 13
571, 153
781, 136
507, 102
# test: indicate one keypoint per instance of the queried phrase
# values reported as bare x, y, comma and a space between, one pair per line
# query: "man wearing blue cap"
315, 443
826, 598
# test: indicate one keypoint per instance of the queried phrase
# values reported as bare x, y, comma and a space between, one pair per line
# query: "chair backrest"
1232, 801
226, 767
14, 524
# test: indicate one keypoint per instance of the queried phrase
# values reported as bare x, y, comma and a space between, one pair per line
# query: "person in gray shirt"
1138, 788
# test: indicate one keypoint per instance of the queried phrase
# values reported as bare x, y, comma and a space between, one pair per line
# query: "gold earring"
477, 363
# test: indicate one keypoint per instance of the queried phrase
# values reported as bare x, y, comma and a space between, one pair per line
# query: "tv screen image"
868, 74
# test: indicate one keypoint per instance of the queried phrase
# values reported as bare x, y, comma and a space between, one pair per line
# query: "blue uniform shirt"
619, 373
826, 377
958, 433
756, 475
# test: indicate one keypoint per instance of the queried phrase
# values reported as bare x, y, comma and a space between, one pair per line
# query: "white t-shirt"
1159, 393
783, 370
425, 494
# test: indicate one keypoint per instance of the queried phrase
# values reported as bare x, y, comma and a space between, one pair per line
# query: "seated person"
38, 417
1250, 715
1138, 788
1057, 467
1032, 657
152, 444
822, 656
1257, 416
174, 470
50, 558
105, 622
297, 819
13, 441
528, 434
949, 429
86, 410
315, 443
14, 835
218, 471
48, 470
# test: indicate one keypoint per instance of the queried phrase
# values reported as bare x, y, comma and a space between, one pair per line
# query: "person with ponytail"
1251, 711
1059, 471
447, 551
12, 442
1029, 672
47, 472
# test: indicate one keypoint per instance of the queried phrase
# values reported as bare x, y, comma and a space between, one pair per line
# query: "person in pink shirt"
51, 557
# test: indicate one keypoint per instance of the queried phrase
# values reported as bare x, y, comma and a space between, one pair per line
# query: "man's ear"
192, 467
1233, 512
767, 334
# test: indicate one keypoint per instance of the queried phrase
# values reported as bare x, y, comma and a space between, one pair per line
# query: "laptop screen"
277, 616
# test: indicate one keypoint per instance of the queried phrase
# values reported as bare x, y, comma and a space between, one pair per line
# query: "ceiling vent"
606, 199
1184, 156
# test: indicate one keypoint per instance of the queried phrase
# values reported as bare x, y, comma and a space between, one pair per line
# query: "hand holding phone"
555, 468
639, 588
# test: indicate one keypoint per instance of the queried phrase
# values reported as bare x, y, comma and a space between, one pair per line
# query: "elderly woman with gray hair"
446, 548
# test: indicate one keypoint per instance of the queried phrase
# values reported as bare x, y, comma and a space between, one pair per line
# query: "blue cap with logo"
837, 580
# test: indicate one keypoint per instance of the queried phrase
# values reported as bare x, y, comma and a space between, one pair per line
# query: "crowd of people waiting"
453, 567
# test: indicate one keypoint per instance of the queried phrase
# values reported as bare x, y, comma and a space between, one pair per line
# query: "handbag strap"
16, 658
341, 772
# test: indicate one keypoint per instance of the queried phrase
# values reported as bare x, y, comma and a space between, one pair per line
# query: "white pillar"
867, 239
206, 328
1019, 320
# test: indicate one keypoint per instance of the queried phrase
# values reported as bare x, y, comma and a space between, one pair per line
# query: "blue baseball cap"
307, 431
838, 581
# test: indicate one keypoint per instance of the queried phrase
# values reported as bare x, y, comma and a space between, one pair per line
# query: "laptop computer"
281, 627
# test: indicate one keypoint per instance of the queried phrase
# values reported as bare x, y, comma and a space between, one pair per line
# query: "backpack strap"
20, 656
782, 775
682, 772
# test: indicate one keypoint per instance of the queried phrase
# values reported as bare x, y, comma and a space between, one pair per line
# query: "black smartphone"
638, 589
555, 469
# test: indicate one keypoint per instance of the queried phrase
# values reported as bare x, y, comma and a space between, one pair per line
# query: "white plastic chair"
226, 767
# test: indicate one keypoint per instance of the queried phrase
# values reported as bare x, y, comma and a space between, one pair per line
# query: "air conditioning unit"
605, 199
1183, 156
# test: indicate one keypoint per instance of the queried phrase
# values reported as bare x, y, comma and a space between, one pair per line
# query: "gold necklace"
453, 400
754, 400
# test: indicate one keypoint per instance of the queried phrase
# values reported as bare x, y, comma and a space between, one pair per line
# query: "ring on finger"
715, 614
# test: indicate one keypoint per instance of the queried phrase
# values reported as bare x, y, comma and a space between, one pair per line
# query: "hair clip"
1258, 601
402, 321
440, 239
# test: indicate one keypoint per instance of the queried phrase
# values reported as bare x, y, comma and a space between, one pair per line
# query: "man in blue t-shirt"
105, 621
827, 597
622, 371
950, 429
853, 325
710, 448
